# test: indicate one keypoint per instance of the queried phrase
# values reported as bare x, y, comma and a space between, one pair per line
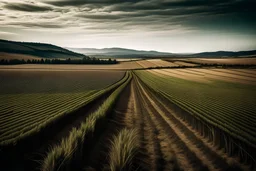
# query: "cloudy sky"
163, 25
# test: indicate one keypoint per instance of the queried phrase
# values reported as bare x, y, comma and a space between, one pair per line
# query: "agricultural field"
153, 63
222, 61
42, 67
41, 97
132, 118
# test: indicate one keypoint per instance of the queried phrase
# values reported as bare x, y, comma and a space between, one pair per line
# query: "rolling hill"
120, 52
225, 54
40, 50
130, 53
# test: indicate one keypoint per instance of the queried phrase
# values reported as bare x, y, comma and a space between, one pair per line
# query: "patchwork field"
152, 63
77, 117
225, 61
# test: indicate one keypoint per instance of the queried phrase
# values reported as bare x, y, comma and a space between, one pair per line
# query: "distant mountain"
130, 53
225, 54
120, 52
41, 50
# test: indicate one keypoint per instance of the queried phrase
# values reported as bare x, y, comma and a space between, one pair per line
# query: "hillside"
41, 50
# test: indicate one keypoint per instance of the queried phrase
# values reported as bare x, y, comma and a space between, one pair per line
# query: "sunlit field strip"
214, 77
218, 74
186, 76
247, 71
226, 75
181, 76
252, 76
231, 75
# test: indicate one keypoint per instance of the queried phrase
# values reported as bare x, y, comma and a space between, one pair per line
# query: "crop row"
195, 98
26, 122
70, 152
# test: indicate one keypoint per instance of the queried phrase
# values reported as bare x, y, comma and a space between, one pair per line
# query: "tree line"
85, 60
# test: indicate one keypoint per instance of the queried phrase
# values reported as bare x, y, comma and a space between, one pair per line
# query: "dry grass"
230, 61
123, 150
69, 150
178, 73
224, 76
161, 63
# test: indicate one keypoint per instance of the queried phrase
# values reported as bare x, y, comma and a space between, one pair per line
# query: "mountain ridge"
123, 52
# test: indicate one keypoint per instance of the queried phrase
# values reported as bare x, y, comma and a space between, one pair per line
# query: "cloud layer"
127, 18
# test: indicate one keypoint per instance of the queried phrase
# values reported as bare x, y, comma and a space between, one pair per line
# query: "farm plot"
162, 63
62, 67
227, 61
29, 100
152, 63
221, 111
209, 75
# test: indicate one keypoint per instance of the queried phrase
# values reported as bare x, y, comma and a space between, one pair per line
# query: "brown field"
146, 64
45, 67
162, 63
230, 61
151, 63
9, 56
209, 75
178, 73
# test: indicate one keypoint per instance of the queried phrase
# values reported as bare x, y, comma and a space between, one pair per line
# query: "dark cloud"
218, 17
26, 7
87, 2
38, 25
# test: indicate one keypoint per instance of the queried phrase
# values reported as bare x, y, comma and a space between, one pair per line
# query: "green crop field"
228, 106
29, 100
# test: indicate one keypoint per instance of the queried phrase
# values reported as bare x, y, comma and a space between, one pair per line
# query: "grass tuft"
123, 150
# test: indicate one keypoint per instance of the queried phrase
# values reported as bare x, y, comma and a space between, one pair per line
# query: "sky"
178, 26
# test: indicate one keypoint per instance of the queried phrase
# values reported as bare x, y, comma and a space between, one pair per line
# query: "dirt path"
97, 157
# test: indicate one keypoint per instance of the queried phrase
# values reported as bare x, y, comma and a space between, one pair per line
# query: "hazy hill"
130, 53
225, 54
119, 52
41, 50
